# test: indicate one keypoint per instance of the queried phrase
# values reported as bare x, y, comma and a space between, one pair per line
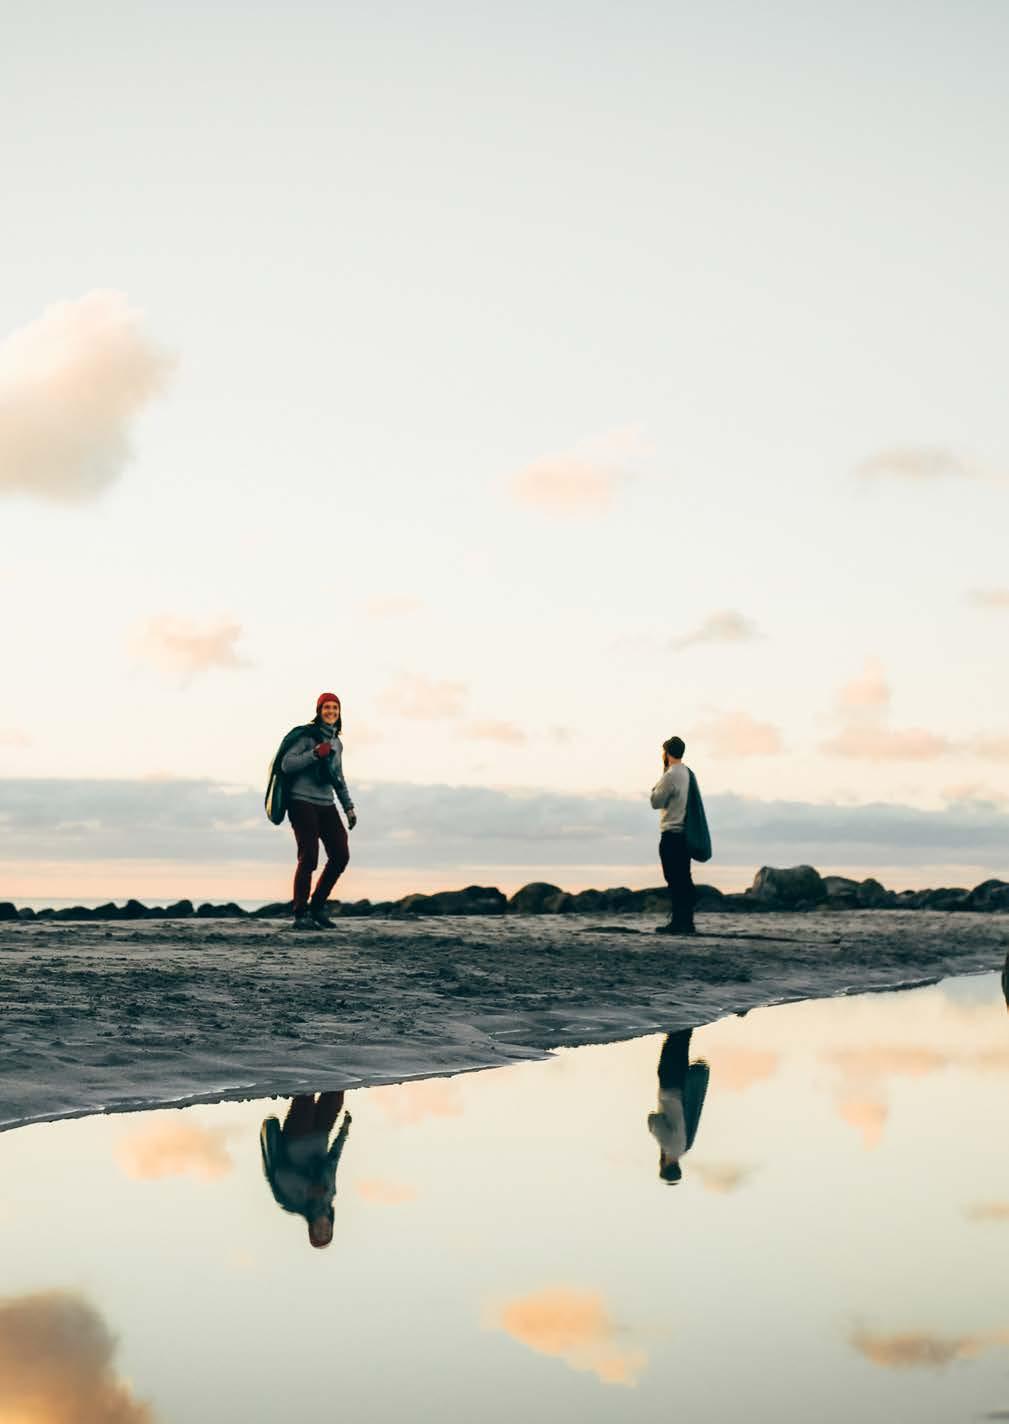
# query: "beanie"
325, 697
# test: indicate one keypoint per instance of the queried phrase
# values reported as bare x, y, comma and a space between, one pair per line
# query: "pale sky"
542, 380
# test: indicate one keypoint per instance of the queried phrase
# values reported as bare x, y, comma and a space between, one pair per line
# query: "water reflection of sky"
503, 1246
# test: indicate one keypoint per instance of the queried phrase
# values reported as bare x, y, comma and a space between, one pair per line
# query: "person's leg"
305, 824
674, 1059
684, 913
667, 855
334, 838
327, 1110
300, 1118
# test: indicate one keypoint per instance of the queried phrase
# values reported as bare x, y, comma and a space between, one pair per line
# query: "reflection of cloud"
882, 1060
382, 1193
175, 1149
179, 647
868, 1116
720, 1177
422, 698
917, 1349
505, 732
56, 1365
409, 1103
739, 734
573, 1326
988, 1211
726, 626
918, 464
70, 385
989, 748
735, 1069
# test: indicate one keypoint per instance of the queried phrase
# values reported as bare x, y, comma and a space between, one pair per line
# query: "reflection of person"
1005, 980
683, 833
682, 1088
299, 1163
313, 762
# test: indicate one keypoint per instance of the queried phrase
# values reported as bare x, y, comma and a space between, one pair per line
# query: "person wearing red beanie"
313, 764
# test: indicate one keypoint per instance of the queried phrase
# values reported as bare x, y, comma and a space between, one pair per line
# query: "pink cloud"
573, 1326
737, 734
869, 690
174, 1150
425, 699
178, 646
879, 743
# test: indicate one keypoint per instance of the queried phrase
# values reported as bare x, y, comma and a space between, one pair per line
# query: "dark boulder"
133, 910
537, 898
8, 911
278, 910
357, 908
842, 893
230, 911
26, 913
180, 910
652, 901
708, 897
787, 888
473, 900
990, 896
874, 896
73, 912
945, 898
600, 902
108, 911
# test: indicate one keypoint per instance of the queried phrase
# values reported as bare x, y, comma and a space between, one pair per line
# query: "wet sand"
103, 1017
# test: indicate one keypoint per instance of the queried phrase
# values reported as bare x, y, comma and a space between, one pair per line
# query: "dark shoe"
304, 921
321, 920
671, 929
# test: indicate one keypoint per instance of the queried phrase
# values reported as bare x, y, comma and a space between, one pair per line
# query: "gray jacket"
315, 778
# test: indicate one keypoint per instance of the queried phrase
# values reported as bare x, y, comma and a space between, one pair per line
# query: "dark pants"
674, 1060
675, 859
311, 824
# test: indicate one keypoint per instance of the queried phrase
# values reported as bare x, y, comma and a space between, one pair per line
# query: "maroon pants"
311, 824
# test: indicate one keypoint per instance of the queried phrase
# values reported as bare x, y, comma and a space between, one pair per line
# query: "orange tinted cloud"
918, 464
379, 1192
505, 732
180, 647
879, 743
395, 605
869, 690
409, 1103
917, 1349
57, 1365
424, 699
720, 1177
71, 384
866, 1115
735, 1069
573, 1326
175, 1150
738, 734
566, 484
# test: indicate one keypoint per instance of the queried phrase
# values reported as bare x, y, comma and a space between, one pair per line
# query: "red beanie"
325, 697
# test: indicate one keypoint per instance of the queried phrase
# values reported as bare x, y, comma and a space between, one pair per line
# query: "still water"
538, 1242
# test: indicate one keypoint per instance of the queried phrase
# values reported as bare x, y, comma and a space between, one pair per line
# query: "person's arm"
333, 1155
340, 786
300, 756
664, 790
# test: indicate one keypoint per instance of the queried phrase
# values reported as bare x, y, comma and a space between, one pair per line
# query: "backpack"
275, 800
695, 826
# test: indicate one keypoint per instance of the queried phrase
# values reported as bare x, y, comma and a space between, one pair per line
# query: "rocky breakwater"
798, 888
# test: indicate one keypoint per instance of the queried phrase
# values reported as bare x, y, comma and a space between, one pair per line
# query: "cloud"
737, 734
71, 384
989, 748
175, 1150
877, 743
422, 699
726, 626
394, 605
922, 1349
988, 1211
179, 647
582, 481
573, 1326
407, 1104
379, 1192
871, 690
57, 1364
11, 737
918, 464
506, 732
189, 821
989, 597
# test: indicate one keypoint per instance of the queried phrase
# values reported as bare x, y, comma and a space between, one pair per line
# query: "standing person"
313, 765
683, 833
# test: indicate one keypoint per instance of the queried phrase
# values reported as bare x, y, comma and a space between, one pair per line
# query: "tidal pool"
535, 1242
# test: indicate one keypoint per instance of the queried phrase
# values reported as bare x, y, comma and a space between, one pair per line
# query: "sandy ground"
111, 1017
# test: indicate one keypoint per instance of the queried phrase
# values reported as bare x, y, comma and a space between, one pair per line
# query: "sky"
545, 381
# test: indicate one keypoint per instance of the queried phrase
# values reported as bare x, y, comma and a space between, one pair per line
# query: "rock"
537, 898
708, 897
785, 889
652, 901
945, 898
107, 912
8, 911
874, 896
990, 896
26, 913
230, 911
599, 902
842, 893
473, 900
133, 910
357, 907
73, 912
180, 910
278, 910
47, 914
